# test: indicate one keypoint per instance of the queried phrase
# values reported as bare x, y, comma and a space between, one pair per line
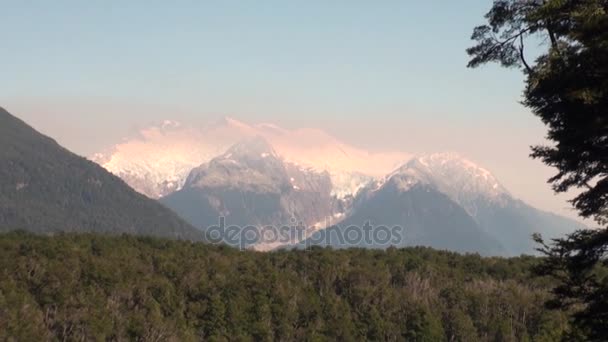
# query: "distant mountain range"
46, 189
448, 202
158, 160
265, 175
260, 176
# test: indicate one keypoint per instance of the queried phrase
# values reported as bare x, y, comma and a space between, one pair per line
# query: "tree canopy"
567, 88
91, 287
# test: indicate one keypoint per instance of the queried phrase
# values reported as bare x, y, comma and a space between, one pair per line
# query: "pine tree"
567, 88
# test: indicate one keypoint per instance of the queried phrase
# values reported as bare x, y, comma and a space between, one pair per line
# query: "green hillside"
88, 287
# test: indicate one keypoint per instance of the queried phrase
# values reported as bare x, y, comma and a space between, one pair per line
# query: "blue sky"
255, 58
379, 74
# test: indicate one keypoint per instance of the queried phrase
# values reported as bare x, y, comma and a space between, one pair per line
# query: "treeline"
91, 287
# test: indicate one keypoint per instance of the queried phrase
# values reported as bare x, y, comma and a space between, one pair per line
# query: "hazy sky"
378, 74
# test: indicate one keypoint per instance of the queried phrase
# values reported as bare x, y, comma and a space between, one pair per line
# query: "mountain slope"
513, 223
250, 185
44, 188
447, 201
498, 213
427, 216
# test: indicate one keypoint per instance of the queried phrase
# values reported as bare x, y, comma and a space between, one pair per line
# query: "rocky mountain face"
250, 185
417, 210
269, 177
263, 174
415, 214
494, 209
46, 189
463, 181
158, 160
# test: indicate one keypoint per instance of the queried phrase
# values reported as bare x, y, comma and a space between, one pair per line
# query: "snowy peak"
253, 149
458, 174
240, 173
157, 160
465, 182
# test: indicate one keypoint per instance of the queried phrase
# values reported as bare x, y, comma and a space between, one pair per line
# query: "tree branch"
522, 55
553, 39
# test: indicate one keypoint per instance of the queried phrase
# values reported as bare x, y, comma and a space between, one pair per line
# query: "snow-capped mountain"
506, 219
264, 174
251, 185
462, 180
157, 161
424, 215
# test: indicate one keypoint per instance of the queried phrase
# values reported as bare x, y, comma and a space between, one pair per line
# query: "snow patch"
158, 159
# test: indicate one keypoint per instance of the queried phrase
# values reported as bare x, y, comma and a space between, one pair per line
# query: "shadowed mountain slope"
45, 188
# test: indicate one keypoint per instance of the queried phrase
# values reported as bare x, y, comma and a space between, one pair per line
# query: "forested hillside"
45, 188
89, 287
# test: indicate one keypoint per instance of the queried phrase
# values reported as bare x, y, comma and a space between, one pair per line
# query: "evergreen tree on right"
567, 88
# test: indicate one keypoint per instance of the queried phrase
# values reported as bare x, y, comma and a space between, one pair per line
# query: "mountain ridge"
157, 162
482, 196
45, 188
250, 185
489, 203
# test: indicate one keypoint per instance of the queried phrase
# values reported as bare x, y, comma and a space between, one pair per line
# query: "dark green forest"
566, 87
91, 287
45, 188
